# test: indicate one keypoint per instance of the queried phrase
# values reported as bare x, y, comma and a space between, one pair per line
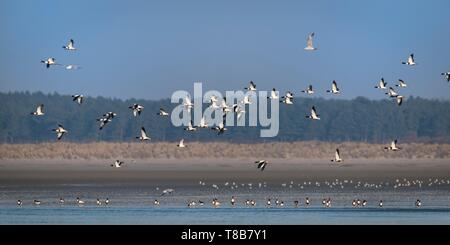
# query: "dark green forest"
360, 119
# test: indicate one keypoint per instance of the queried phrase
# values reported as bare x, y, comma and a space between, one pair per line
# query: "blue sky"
148, 49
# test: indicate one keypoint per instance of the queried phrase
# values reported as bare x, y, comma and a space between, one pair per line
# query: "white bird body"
39, 111
309, 43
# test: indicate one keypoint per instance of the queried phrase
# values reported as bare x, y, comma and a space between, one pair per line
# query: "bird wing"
399, 100
309, 41
143, 133
313, 112
188, 101
411, 58
59, 134
40, 109
337, 155
262, 165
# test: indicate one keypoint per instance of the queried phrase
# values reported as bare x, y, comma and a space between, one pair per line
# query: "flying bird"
334, 88
410, 61
287, 100
117, 164
49, 62
239, 111
309, 43
167, 191
188, 103
401, 84
79, 201
393, 146
251, 87
391, 93
110, 115
181, 144
137, 109
337, 157
313, 115
69, 45
203, 123
220, 128
162, 112
78, 98
246, 100
190, 128
381, 84
144, 135
103, 122
309, 90
399, 100
261, 164
289, 95
39, 111
60, 131
273, 94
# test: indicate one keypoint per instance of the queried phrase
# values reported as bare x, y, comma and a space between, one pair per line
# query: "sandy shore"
192, 170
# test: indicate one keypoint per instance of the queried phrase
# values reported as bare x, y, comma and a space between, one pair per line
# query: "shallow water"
133, 204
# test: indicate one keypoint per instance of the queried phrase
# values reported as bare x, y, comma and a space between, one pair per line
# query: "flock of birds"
313, 186
238, 109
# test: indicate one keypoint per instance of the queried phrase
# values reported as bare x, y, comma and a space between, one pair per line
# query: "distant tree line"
360, 119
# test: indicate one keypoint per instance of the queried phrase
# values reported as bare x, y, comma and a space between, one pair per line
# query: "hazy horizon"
149, 49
